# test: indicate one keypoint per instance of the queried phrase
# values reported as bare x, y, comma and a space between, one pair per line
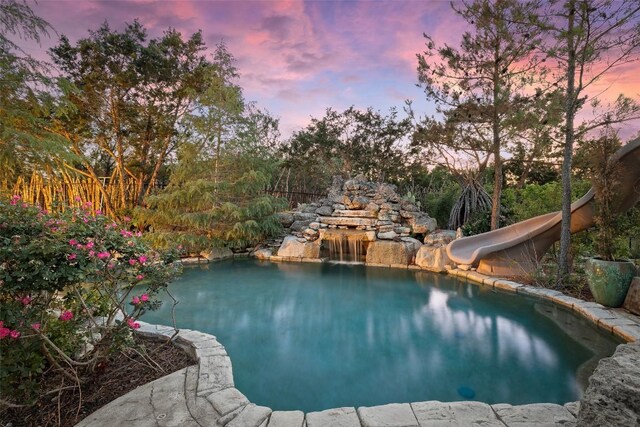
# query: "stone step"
355, 213
346, 221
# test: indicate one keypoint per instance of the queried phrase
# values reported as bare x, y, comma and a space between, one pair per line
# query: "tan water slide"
515, 250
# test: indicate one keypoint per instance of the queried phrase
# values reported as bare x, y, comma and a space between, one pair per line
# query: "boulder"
422, 224
310, 208
304, 216
324, 211
300, 225
440, 238
389, 252
292, 247
390, 206
408, 206
384, 216
408, 214
216, 254
613, 395
387, 235
285, 218
372, 207
310, 234
433, 258
263, 253
632, 301
415, 242
358, 202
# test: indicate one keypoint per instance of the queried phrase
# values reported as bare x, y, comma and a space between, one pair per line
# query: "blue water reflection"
316, 336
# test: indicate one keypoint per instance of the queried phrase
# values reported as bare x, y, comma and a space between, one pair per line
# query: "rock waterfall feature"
361, 221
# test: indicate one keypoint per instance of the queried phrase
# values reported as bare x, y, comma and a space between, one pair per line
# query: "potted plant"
608, 277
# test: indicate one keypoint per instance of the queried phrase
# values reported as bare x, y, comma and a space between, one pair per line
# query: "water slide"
515, 250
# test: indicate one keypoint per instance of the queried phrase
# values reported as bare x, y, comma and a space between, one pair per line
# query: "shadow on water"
316, 336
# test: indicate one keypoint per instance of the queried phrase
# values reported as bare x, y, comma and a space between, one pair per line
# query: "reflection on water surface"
316, 336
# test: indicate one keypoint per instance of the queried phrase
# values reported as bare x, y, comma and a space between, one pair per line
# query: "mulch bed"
122, 373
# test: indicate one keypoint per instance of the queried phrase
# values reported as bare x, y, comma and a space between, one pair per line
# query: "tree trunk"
565, 231
497, 158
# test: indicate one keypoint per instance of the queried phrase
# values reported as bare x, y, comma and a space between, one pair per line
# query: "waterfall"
346, 247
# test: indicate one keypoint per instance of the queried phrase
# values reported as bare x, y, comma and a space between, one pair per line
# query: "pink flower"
14, 199
92, 253
126, 219
15, 334
111, 265
142, 259
67, 315
73, 242
98, 212
144, 297
25, 205
4, 332
35, 326
132, 261
71, 257
135, 300
139, 234
89, 245
26, 300
126, 233
1, 323
133, 324
103, 255
78, 199
140, 276
79, 246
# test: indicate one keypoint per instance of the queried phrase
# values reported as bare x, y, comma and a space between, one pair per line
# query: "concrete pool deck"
205, 395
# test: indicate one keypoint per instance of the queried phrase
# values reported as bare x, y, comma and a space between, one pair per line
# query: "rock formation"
368, 221
613, 395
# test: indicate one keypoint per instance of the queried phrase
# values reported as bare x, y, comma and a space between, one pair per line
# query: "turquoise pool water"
317, 336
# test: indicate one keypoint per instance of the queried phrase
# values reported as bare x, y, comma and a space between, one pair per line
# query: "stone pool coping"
205, 394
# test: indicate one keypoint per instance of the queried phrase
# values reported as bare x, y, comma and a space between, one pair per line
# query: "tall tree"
592, 39
475, 84
349, 143
127, 96
24, 99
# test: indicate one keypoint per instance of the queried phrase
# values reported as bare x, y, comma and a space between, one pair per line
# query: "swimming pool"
317, 336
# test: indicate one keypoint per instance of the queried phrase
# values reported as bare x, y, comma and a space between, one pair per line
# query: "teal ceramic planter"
609, 280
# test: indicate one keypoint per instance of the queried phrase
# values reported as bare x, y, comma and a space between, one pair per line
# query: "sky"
296, 58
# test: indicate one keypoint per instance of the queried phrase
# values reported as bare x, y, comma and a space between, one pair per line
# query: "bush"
67, 285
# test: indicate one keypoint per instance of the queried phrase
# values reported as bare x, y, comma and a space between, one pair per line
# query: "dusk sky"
296, 58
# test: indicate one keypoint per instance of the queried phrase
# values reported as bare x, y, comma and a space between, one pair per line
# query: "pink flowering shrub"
65, 280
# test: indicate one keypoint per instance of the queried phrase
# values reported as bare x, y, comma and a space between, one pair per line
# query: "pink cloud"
297, 58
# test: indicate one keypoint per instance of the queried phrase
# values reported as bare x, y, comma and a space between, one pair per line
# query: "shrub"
72, 285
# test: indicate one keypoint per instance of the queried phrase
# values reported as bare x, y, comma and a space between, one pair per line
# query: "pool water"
317, 336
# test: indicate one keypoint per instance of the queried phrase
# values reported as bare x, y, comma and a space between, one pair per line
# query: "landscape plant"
605, 177
72, 288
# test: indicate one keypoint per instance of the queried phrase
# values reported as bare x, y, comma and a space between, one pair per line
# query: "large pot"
609, 280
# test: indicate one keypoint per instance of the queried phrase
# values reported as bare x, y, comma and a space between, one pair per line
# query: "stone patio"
205, 395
